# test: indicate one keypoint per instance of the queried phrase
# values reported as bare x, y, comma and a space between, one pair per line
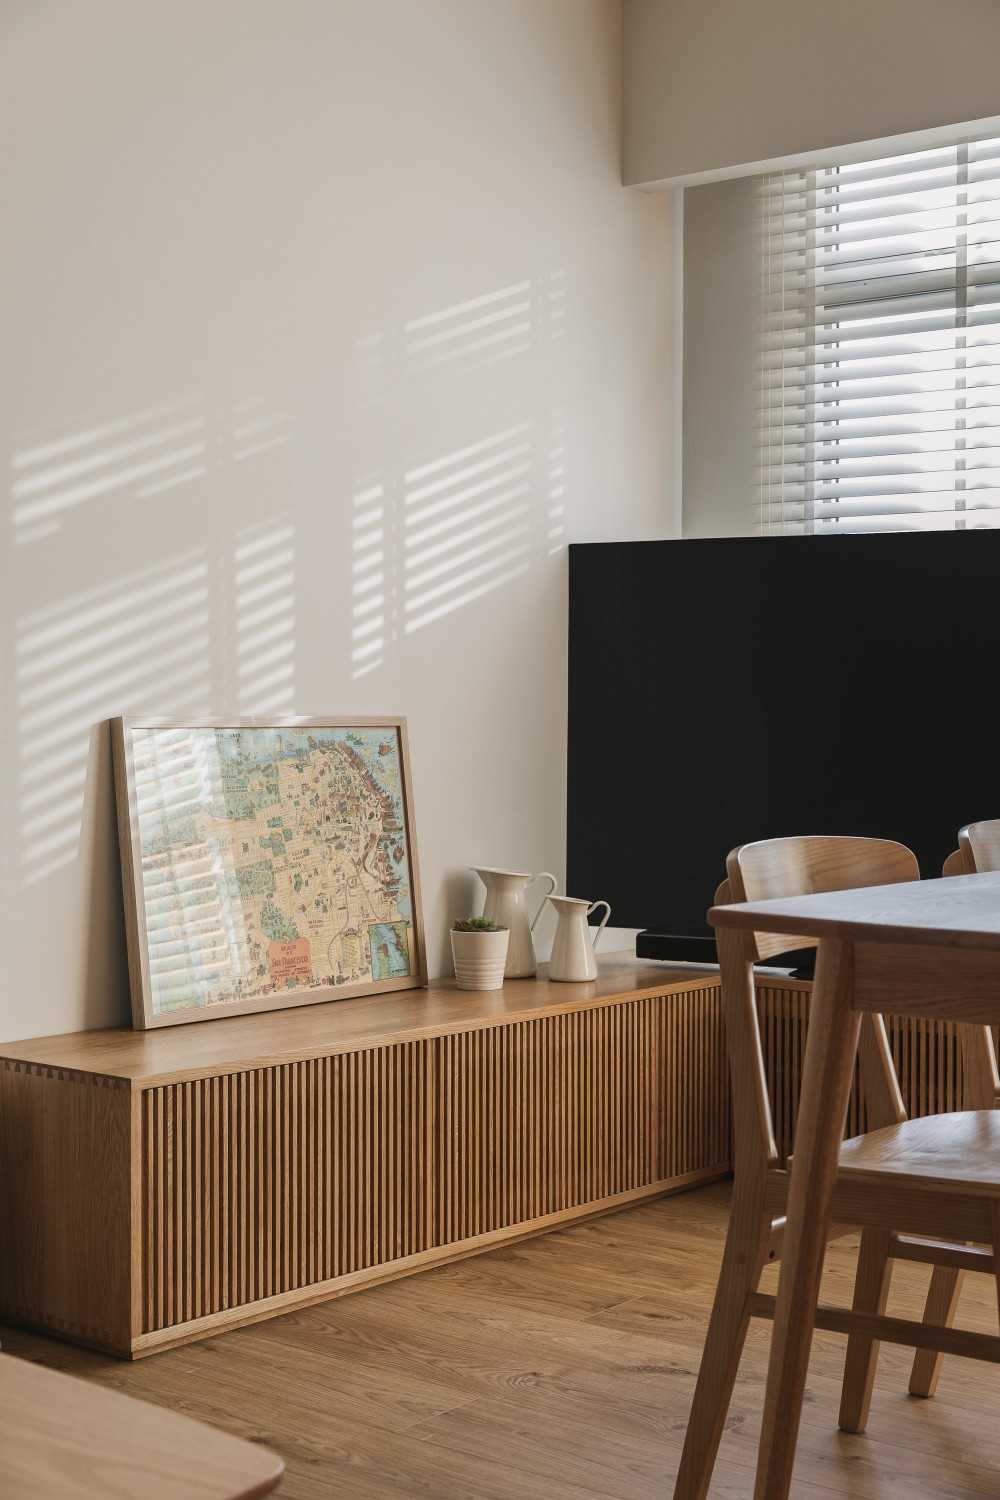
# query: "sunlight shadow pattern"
194, 933
455, 340
139, 641
466, 521
371, 578
264, 616
493, 326
260, 423
556, 304
466, 524
140, 454
374, 370
556, 476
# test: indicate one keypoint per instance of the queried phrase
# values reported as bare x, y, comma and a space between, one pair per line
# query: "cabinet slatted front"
297, 1156
161, 1186
257, 1183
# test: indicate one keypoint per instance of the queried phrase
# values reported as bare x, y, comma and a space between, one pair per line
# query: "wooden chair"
874, 1191
978, 850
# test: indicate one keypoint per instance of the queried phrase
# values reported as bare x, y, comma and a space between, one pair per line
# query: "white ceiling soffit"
831, 156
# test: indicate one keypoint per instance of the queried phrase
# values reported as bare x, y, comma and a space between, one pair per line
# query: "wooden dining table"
68, 1439
928, 948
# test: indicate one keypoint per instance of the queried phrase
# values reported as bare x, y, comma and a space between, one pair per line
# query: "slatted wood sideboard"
160, 1186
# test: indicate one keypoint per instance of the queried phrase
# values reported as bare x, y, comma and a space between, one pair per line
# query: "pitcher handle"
544, 875
607, 916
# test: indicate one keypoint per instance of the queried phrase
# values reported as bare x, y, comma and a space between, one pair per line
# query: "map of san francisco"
273, 860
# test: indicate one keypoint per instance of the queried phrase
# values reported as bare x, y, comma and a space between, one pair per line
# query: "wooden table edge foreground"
919, 919
62, 1438
164, 1185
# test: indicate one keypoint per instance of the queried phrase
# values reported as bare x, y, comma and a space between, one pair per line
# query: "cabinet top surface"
232, 1044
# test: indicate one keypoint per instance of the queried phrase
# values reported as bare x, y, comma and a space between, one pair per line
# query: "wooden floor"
561, 1367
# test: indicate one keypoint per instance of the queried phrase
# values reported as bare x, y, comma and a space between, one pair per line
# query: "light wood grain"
939, 1310
871, 1293
960, 911
958, 1152
883, 1181
560, 1141
773, 868
749, 1239
237, 1043
879, 947
911, 1209
877, 1326
66, 1218
530, 1126
757, 1232
979, 846
927, 1060
831, 1049
979, 850
562, 1369
927, 980
65, 1439
246, 1191
406, 1153
943, 1253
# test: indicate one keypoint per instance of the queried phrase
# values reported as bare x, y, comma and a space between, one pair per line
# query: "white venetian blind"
880, 358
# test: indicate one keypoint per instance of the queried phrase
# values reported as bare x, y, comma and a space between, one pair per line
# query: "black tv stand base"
651, 943
669, 947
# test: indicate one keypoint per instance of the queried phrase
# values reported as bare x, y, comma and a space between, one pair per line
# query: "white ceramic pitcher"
573, 948
507, 905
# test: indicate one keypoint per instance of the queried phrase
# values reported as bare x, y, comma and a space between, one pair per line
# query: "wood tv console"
161, 1186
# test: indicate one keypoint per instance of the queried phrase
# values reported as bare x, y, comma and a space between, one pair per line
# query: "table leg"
831, 1048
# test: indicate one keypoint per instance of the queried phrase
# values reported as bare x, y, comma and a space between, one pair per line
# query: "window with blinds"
880, 354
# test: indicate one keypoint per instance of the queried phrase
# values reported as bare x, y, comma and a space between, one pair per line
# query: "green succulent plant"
476, 924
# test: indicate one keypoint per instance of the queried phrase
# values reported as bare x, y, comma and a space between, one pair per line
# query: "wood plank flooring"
561, 1369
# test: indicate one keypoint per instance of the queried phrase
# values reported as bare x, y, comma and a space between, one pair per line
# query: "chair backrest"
796, 867
804, 866
978, 851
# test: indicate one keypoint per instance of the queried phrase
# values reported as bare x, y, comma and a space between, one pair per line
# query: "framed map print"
265, 863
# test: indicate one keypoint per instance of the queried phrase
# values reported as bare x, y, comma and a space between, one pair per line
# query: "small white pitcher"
507, 906
573, 948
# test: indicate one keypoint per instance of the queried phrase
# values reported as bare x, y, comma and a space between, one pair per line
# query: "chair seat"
957, 1152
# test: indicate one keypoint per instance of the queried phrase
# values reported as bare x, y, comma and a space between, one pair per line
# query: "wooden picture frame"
265, 958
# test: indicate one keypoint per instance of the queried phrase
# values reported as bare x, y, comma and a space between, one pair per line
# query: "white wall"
720, 84
721, 374
291, 287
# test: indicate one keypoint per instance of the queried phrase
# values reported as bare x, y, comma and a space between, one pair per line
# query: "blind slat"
879, 368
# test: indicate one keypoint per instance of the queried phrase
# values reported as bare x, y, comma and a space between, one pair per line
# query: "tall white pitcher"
507, 905
573, 947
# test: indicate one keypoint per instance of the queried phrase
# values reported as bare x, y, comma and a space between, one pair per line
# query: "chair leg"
742, 1262
942, 1300
995, 1221
871, 1290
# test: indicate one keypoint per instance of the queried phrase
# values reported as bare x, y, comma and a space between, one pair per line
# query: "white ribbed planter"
479, 959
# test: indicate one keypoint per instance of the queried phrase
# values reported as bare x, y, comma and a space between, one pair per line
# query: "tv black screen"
725, 690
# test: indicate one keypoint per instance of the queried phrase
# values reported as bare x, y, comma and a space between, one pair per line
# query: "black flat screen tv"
724, 690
